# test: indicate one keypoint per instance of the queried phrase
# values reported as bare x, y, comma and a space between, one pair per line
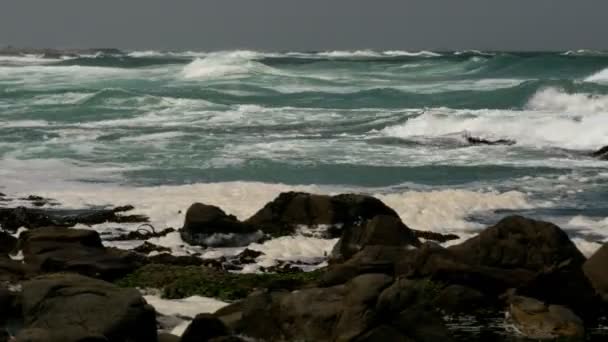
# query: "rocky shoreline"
517, 280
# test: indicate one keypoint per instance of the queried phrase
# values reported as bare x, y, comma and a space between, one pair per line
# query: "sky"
280, 25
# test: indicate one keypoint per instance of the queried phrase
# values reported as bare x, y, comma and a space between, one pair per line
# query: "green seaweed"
177, 282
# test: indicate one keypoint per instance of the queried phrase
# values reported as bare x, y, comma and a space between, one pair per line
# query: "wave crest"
226, 64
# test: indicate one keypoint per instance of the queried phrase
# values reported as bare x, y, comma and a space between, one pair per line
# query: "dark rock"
602, 153
538, 321
75, 250
372, 259
12, 270
165, 337
458, 299
283, 267
445, 266
519, 242
259, 313
359, 306
596, 269
203, 328
433, 236
148, 248
47, 239
248, 256
141, 234
39, 201
227, 339
7, 243
422, 325
383, 333
481, 141
379, 231
293, 209
13, 218
8, 303
406, 293
65, 308
207, 225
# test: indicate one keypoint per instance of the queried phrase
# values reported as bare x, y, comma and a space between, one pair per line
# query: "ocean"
161, 130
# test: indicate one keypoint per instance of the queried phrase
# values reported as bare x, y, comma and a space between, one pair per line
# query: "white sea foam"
553, 119
292, 248
187, 307
556, 100
447, 211
599, 77
23, 123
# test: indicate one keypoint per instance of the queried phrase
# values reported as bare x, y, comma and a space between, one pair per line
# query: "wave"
599, 77
575, 104
552, 119
225, 65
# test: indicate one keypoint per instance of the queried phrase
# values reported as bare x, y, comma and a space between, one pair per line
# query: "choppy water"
388, 123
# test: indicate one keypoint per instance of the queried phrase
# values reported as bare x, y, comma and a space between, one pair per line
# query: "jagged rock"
596, 270
75, 250
481, 141
291, 210
147, 248
203, 328
602, 153
248, 256
71, 308
536, 320
379, 231
433, 236
207, 225
141, 234
13, 218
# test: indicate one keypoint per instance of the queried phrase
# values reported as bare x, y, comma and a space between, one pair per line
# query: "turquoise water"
383, 120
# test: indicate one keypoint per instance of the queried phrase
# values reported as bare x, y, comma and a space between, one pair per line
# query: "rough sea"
161, 130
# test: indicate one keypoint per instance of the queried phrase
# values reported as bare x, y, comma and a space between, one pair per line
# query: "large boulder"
75, 250
536, 320
445, 266
519, 242
71, 308
347, 312
207, 225
291, 210
359, 312
379, 231
7, 243
517, 245
203, 328
596, 270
